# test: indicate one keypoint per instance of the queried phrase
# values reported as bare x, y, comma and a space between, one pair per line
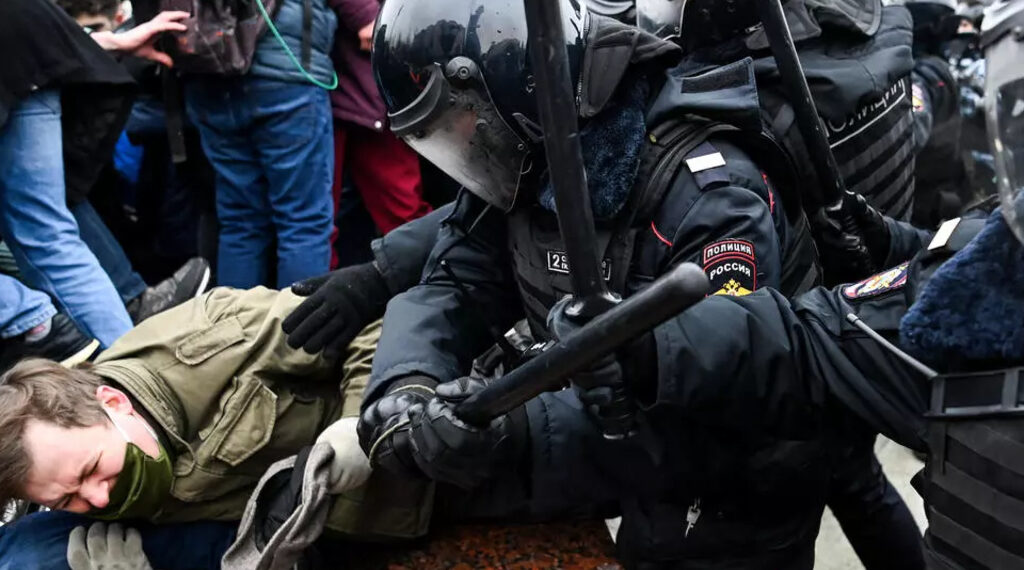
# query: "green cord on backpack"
291, 55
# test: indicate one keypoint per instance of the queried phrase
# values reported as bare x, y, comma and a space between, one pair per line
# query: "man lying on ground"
177, 421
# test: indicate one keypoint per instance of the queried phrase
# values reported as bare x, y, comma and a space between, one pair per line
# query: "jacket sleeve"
922, 111
905, 241
731, 233
401, 253
764, 365
354, 15
432, 328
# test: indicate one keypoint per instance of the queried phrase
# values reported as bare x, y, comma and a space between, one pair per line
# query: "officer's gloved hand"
383, 428
853, 239
350, 467
872, 224
106, 547
601, 387
449, 450
340, 304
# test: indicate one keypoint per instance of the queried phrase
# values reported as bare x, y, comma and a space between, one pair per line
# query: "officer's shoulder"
718, 163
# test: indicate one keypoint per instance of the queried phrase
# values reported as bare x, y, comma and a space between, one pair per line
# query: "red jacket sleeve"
354, 15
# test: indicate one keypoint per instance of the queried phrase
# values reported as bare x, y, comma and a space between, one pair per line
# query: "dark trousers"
871, 513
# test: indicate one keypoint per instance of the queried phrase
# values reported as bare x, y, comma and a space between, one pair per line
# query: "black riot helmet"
455, 76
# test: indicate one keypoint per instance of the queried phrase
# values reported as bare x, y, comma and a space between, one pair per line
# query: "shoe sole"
82, 355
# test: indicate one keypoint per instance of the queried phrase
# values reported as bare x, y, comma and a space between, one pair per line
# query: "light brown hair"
43, 390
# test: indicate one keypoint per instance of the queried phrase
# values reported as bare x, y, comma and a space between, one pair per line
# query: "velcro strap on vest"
978, 394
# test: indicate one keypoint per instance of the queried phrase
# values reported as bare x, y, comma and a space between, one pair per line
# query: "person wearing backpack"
268, 135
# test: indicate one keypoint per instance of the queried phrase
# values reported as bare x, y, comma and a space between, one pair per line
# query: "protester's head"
60, 445
97, 15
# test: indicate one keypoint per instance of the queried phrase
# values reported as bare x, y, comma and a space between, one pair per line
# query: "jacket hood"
612, 49
727, 94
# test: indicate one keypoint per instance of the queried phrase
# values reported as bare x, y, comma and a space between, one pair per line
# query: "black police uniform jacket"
805, 367
761, 498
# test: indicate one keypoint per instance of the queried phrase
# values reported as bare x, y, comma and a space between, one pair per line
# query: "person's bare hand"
140, 40
366, 37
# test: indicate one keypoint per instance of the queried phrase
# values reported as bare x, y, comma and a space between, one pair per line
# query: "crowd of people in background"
265, 178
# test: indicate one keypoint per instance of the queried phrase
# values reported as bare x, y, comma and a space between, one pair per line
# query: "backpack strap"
307, 34
668, 146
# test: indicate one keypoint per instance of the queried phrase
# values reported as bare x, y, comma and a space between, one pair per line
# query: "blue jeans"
271, 145
40, 542
40, 230
21, 308
112, 258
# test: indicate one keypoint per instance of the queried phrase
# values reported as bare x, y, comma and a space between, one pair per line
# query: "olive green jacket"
232, 398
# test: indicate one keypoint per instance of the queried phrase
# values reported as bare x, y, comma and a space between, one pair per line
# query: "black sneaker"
188, 282
64, 343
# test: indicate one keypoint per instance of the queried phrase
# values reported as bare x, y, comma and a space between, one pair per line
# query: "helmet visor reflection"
461, 132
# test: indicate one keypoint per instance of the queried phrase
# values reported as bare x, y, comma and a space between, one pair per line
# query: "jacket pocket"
202, 345
247, 423
242, 426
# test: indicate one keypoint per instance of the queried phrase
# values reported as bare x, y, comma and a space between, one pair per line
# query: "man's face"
74, 469
99, 22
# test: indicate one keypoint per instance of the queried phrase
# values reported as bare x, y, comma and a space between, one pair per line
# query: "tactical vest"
874, 147
973, 483
538, 256
869, 130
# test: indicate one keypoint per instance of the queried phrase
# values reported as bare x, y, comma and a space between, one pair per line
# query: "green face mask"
143, 484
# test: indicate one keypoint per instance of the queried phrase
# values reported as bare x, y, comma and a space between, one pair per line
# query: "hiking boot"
188, 282
58, 339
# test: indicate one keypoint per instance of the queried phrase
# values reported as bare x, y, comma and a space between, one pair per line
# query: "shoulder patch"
883, 282
731, 266
917, 98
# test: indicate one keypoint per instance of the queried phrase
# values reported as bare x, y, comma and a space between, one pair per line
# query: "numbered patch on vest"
884, 282
731, 267
558, 262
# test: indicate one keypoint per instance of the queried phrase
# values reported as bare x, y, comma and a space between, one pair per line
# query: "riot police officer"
830, 360
856, 62
679, 169
857, 58
940, 175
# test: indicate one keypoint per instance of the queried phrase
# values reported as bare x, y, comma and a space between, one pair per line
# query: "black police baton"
668, 296
556, 102
833, 188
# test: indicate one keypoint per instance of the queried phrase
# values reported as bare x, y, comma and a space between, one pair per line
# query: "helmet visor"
1006, 118
1004, 110
461, 132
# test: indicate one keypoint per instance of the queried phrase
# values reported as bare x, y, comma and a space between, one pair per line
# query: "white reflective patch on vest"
706, 162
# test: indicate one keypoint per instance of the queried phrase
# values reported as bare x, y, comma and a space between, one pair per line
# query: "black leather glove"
853, 240
384, 425
340, 304
877, 237
449, 450
602, 386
